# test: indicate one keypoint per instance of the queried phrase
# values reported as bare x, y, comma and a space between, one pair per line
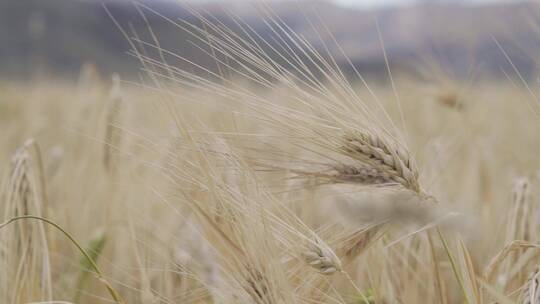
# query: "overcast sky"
366, 4
375, 3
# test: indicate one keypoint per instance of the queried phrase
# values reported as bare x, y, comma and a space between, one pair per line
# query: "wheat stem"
454, 265
116, 297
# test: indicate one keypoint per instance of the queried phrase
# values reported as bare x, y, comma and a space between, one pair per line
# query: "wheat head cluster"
267, 181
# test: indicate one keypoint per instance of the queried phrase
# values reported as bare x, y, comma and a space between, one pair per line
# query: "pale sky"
370, 3
375, 3
382, 3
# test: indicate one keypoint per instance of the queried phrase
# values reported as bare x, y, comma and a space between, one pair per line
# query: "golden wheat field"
269, 187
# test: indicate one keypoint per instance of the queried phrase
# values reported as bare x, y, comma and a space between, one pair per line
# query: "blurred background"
119, 150
57, 38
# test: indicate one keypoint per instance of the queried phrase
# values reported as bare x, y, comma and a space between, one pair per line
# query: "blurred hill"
58, 36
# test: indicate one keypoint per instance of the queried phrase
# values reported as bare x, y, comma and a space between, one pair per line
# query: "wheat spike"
113, 133
322, 258
518, 228
532, 292
26, 256
380, 162
356, 242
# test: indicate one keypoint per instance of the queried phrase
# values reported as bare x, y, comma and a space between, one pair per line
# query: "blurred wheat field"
295, 190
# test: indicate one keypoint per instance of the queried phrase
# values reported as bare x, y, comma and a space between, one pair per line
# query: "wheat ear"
321, 257
379, 161
531, 294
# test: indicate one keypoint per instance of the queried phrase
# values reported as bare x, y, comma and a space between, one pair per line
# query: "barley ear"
531, 295
321, 257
